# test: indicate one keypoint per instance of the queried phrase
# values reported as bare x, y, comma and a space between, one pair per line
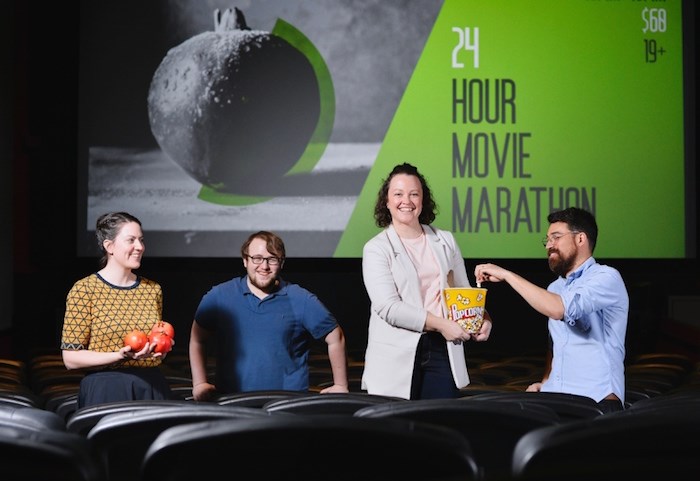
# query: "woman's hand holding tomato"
162, 336
159, 341
147, 352
136, 345
136, 340
162, 343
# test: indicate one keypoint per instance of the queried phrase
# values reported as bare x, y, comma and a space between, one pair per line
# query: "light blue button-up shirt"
589, 342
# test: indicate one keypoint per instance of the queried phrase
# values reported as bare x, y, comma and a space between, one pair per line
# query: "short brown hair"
273, 243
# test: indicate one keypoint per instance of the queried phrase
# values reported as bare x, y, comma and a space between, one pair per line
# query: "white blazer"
397, 316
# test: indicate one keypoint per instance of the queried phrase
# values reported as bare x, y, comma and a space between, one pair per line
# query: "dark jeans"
432, 376
610, 406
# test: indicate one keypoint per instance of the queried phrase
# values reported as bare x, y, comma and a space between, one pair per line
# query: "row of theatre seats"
494, 432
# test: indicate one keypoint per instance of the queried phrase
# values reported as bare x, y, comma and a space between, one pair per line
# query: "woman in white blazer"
413, 351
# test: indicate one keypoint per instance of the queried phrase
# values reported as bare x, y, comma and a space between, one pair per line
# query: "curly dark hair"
382, 216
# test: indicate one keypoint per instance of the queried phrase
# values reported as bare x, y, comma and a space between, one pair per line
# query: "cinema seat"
18, 395
32, 417
327, 404
127, 435
491, 428
255, 398
569, 407
83, 419
627, 444
28, 454
341, 448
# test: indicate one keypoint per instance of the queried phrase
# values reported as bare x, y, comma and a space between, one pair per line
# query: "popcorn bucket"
466, 306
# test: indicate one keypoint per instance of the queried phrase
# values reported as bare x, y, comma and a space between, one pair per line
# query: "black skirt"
129, 384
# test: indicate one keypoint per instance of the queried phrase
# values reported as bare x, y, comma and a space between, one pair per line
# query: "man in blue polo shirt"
263, 327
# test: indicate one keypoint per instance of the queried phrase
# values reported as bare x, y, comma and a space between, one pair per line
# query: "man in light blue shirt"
587, 306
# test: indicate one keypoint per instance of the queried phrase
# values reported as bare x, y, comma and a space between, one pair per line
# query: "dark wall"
45, 265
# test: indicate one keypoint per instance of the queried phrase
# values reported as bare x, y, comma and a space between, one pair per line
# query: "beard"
559, 264
265, 284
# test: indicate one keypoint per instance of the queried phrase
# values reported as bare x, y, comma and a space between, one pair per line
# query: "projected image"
202, 160
211, 120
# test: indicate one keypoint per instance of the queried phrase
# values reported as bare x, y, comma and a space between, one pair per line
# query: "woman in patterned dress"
102, 308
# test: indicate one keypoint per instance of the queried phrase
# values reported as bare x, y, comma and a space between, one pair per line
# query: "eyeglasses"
271, 261
554, 238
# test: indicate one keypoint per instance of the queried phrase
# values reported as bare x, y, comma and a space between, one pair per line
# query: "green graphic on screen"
516, 109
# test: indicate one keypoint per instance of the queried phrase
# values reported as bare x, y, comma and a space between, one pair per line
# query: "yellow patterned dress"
98, 316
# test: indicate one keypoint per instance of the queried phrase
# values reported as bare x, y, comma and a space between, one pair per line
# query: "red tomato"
163, 327
162, 342
136, 339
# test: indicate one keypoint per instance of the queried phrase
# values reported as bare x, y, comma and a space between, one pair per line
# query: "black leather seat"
325, 404
630, 444
491, 428
28, 454
83, 419
32, 417
53, 402
19, 396
255, 398
569, 407
310, 448
677, 402
127, 435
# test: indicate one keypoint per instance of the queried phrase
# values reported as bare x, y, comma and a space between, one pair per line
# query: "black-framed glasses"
271, 261
556, 236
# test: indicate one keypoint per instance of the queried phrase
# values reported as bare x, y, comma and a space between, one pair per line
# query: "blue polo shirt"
262, 344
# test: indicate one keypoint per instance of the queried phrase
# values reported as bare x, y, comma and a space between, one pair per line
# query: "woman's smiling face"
405, 199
